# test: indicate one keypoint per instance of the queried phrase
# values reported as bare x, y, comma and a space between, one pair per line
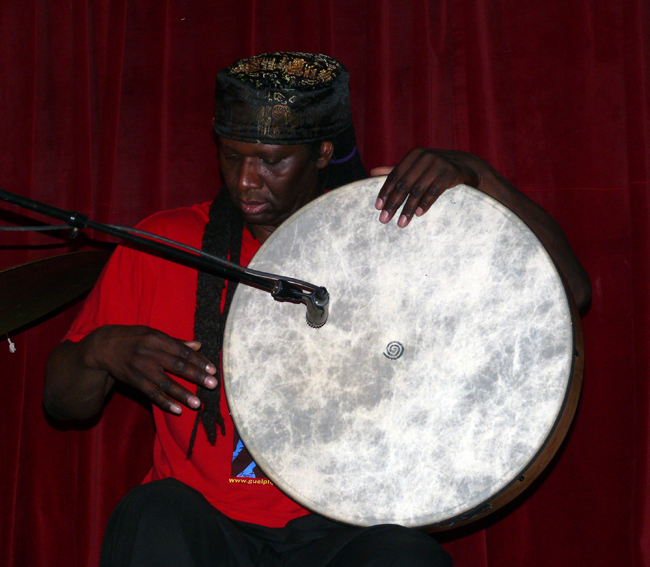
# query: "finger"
410, 184
419, 178
394, 176
209, 367
196, 358
378, 171
153, 391
437, 187
189, 351
189, 365
174, 390
434, 179
159, 350
412, 203
422, 196
393, 201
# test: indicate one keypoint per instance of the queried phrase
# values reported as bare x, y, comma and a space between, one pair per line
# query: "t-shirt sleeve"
134, 279
118, 297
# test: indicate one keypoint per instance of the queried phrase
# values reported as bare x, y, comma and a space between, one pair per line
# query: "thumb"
384, 170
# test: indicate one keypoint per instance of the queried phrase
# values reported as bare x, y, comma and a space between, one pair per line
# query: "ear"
326, 152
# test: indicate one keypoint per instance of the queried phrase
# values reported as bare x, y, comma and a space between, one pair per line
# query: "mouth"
252, 208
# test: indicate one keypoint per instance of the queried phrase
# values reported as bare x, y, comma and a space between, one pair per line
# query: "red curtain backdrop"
105, 108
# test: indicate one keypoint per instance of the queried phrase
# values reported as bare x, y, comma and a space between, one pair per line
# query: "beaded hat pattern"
282, 98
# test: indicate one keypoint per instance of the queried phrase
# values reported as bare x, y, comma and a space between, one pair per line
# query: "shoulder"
185, 224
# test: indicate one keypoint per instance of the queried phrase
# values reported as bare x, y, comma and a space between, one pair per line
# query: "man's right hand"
80, 375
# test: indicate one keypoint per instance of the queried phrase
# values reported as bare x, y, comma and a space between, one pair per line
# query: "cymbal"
32, 290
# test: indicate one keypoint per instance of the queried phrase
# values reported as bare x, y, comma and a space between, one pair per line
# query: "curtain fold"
637, 93
105, 108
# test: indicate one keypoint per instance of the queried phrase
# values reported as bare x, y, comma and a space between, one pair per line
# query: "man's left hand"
419, 179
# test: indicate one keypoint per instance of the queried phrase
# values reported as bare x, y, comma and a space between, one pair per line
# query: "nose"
249, 175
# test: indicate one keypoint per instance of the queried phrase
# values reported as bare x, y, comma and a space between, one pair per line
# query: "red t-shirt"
137, 288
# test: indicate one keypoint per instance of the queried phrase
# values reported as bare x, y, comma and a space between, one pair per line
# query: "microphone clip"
317, 300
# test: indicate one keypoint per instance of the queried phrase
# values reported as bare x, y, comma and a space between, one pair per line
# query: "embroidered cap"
282, 98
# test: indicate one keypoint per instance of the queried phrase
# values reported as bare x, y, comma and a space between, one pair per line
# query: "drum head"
440, 375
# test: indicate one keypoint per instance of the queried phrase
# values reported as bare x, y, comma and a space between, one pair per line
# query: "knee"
162, 519
410, 548
397, 546
167, 490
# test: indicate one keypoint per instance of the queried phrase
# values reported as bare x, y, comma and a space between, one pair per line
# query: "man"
284, 132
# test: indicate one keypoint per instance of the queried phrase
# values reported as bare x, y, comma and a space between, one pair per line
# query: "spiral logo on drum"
394, 350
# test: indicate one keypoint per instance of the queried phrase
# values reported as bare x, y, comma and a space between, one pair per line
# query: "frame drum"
442, 383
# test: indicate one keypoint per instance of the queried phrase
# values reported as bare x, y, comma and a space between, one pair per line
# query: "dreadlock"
222, 238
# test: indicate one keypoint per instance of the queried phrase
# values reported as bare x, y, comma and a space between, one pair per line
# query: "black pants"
168, 523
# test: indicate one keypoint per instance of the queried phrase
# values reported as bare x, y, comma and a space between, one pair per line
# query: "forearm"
544, 226
75, 385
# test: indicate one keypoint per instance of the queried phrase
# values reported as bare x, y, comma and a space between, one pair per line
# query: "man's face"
268, 183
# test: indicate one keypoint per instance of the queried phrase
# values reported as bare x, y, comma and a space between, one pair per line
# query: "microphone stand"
281, 288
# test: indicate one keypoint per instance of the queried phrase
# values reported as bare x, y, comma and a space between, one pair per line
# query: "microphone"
317, 307
317, 300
